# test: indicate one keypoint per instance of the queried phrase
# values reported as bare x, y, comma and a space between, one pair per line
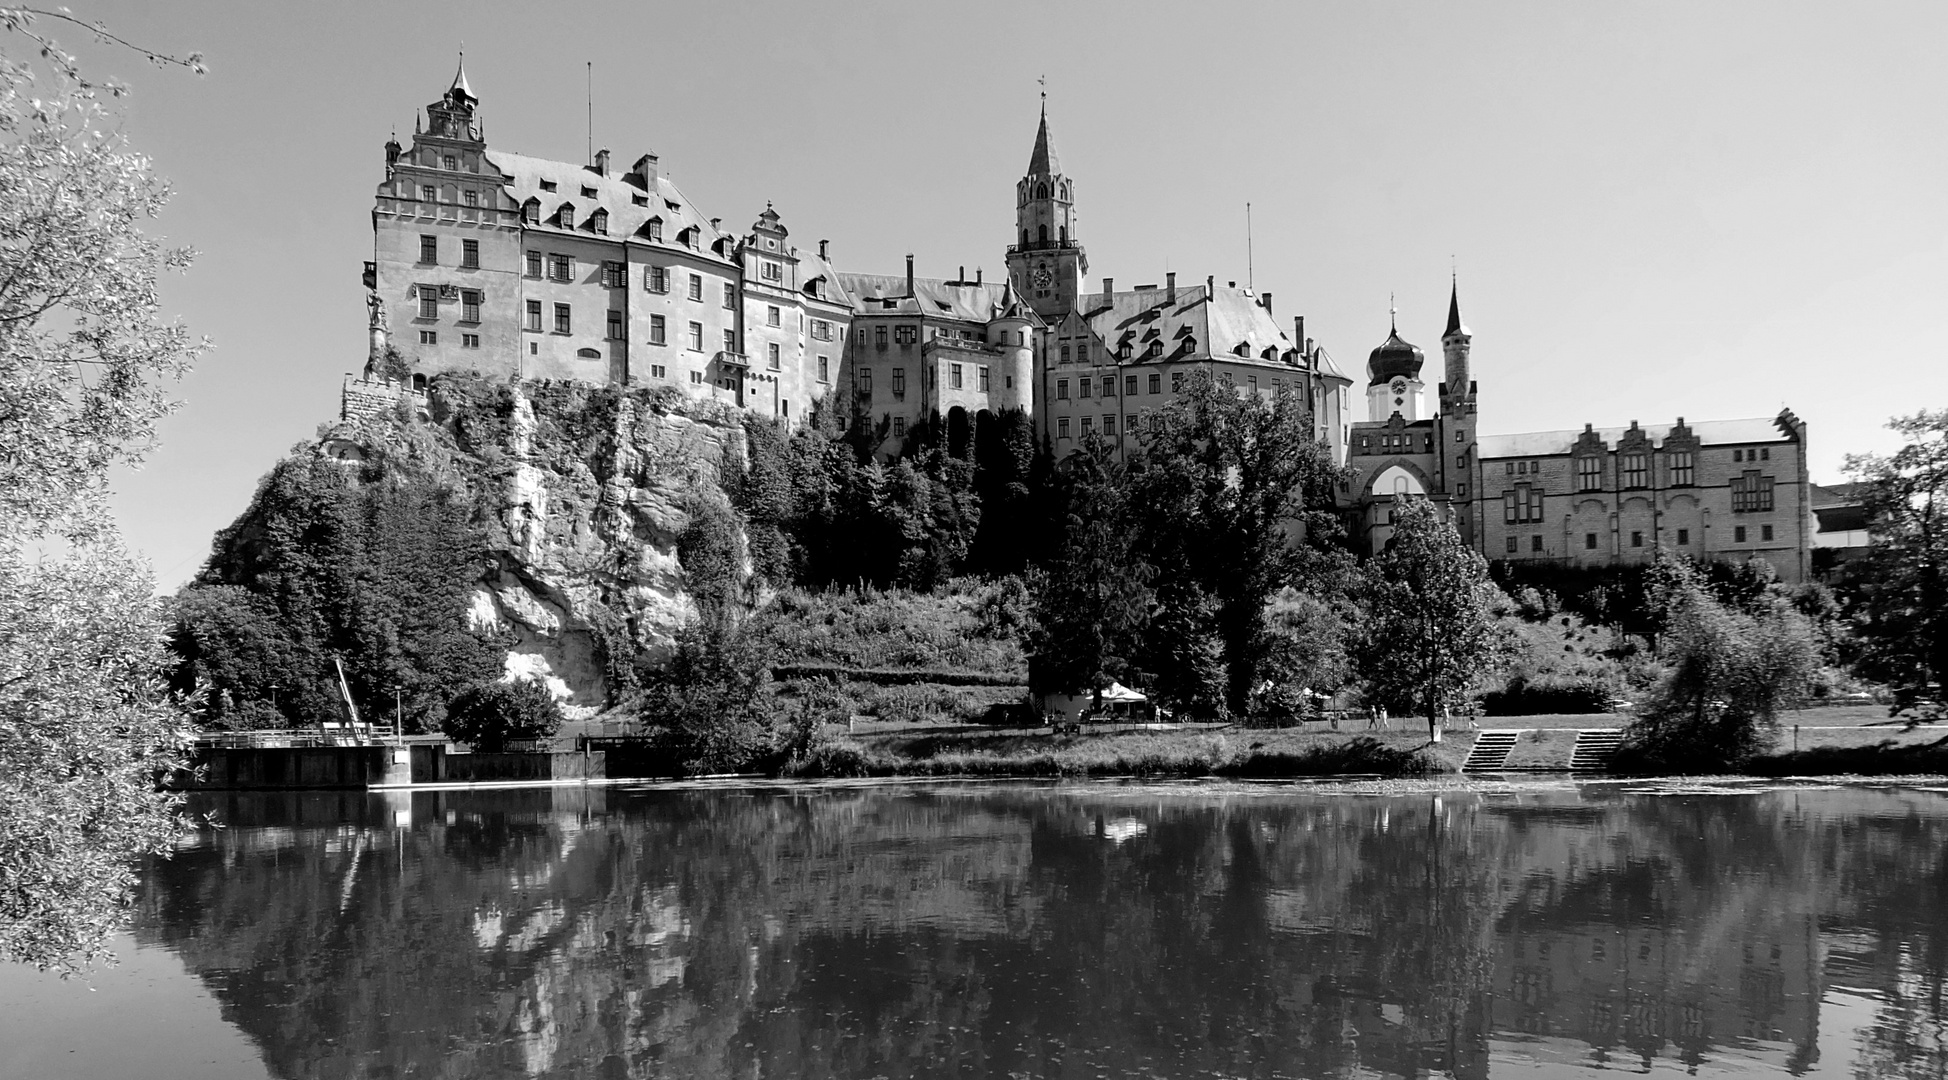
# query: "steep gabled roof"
877, 294
612, 193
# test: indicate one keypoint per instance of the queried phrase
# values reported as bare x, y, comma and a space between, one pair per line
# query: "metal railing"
327, 735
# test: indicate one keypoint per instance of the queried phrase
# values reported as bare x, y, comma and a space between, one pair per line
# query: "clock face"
1043, 277
1399, 386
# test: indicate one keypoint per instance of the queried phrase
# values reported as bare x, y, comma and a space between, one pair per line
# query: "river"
1010, 930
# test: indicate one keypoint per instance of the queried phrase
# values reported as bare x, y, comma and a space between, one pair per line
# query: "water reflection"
1068, 931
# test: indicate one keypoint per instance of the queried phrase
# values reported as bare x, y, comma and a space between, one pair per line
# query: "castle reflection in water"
1077, 930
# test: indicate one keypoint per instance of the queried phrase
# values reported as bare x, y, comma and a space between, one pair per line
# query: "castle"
522, 268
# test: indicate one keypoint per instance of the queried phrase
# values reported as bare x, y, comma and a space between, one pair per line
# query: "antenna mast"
591, 112
1251, 279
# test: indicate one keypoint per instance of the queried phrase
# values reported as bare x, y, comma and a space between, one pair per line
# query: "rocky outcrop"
583, 493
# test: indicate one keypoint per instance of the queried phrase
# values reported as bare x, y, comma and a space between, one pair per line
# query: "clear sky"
1708, 210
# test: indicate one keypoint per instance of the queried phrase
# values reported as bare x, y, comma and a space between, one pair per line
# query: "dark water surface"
1025, 930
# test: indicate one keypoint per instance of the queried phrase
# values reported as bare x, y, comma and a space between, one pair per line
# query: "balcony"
726, 358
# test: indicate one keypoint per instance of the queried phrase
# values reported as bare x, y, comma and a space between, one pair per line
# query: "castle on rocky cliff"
521, 268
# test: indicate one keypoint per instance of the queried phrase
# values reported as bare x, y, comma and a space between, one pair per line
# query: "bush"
1524, 698
486, 716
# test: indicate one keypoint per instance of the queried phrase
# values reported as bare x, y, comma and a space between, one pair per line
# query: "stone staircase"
1594, 747
1491, 750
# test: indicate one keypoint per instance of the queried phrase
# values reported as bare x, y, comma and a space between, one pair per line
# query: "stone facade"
1726, 490
522, 268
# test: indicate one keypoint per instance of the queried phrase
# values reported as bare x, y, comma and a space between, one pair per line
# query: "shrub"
486, 716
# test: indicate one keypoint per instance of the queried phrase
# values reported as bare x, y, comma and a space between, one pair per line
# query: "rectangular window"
953, 376
1738, 534
821, 330
1765, 453
1589, 541
428, 194
1129, 386
562, 323
656, 279
432, 337
865, 381
899, 427
899, 382
561, 268
658, 371
1636, 539
655, 230
730, 341
1636, 471
534, 264
1535, 543
1082, 387
771, 271
1065, 353
771, 356
730, 298
696, 337
696, 286
469, 306
534, 315
771, 315
824, 370
1156, 383
905, 335
1509, 510
1511, 545
1109, 386
1683, 537
1081, 352
470, 341
1751, 493
1765, 532
429, 303
470, 254
1061, 389
1176, 382
696, 378
429, 249
473, 197
1738, 455
1109, 424
657, 330
1061, 427
879, 336
615, 326
1088, 426
984, 377
1682, 470
1252, 385
614, 275
1589, 471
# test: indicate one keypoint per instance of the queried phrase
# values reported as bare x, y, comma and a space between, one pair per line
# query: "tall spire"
1454, 325
1043, 161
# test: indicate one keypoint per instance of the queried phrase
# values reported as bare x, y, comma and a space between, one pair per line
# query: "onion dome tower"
1393, 377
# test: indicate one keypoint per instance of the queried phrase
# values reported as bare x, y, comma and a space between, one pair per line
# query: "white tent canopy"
1116, 691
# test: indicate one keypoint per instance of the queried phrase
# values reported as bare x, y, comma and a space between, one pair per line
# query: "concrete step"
1490, 751
1594, 748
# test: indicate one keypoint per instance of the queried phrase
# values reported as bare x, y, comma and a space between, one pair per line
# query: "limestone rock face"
583, 490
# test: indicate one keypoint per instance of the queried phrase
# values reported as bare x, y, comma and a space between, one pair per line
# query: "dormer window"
531, 211
588, 193
565, 217
653, 230
547, 185
639, 200
600, 222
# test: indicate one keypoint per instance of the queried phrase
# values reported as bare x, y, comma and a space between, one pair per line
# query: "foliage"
366, 564
966, 626
1730, 673
487, 715
85, 725
712, 703
762, 493
1899, 590
1429, 635
708, 550
1092, 597
1235, 496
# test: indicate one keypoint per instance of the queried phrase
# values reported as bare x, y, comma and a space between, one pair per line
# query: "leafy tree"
1004, 461
1092, 598
1730, 672
1306, 647
1429, 633
1899, 592
1237, 499
712, 700
486, 716
762, 493
84, 359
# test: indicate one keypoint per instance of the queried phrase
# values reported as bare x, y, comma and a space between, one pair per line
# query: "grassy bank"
958, 751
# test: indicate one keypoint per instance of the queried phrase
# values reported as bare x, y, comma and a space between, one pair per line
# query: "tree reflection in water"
1063, 931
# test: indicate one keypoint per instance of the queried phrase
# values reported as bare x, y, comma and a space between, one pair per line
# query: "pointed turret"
1457, 385
460, 88
1454, 324
1042, 161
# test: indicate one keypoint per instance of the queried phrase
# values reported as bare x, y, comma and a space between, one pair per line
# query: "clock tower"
1046, 264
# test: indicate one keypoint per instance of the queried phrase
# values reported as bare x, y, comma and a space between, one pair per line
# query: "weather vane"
1042, 81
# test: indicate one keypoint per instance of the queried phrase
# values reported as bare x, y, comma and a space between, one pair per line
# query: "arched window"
1041, 191
1024, 238
1043, 237
419, 383
1065, 235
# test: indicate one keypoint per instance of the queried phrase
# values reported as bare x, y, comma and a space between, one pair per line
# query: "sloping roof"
1835, 495
1454, 323
612, 193
1194, 324
1324, 364
874, 294
1762, 429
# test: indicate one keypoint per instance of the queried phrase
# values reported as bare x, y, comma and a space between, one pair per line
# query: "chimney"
1265, 298
644, 171
1230, 284
1170, 286
1298, 334
963, 274
909, 273
825, 249
717, 224
1210, 287
602, 161
977, 275
1109, 291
